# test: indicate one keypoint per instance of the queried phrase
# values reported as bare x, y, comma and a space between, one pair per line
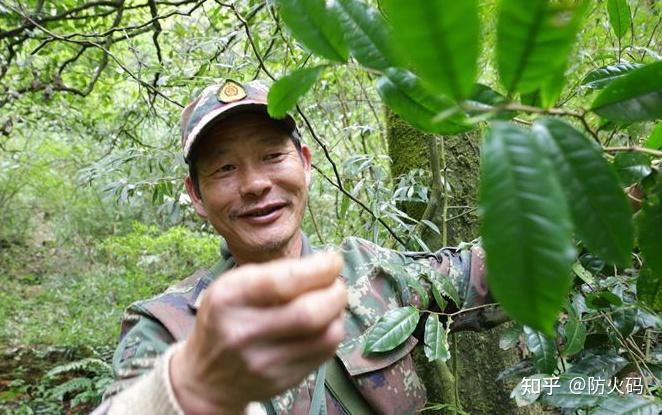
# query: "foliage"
90, 94
539, 185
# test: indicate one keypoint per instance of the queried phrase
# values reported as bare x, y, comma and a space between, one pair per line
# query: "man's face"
253, 183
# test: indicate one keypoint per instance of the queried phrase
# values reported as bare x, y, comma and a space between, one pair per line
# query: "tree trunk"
468, 380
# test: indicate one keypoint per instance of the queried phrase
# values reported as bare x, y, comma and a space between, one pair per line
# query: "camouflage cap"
217, 102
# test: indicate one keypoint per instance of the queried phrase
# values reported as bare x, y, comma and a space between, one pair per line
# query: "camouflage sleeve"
379, 279
464, 267
142, 340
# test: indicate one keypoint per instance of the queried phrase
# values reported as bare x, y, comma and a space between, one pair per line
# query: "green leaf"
601, 77
629, 404
422, 293
441, 40
534, 38
603, 366
592, 263
582, 273
599, 207
286, 92
551, 88
649, 226
518, 370
602, 299
525, 227
445, 287
543, 349
436, 339
316, 27
654, 141
649, 223
431, 225
619, 16
575, 335
510, 337
523, 393
574, 391
485, 97
632, 167
392, 329
438, 298
402, 92
624, 319
367, 34
636, 96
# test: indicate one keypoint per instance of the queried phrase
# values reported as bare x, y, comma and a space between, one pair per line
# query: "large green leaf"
575, 335
597, 203
441, 40
402, 92
629, 404
534, 38
392, 329
649, 223
543, 349
552, 87
286, 92
316, 26
526, 227
603, 366
649, 226
619, 16
367, 34
632, 167
654, 141
601, 77
436, 339
636, 96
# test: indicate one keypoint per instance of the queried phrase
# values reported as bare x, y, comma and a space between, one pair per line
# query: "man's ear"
307, 159
192, 194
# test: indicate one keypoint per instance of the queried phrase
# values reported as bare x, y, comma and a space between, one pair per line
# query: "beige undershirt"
153, 393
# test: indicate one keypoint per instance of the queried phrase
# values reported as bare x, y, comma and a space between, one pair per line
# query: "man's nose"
254, 182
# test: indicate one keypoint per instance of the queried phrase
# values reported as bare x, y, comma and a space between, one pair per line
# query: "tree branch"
618, 149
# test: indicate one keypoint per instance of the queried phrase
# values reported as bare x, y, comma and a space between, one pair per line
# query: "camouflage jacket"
387, 381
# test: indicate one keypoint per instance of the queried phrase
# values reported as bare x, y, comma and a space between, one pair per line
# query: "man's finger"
280, 281
307, 315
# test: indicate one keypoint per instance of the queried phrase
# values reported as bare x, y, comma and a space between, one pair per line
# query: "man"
250, 333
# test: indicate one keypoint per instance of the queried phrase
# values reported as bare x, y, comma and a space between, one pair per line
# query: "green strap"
318, 403
269, 407
344, 390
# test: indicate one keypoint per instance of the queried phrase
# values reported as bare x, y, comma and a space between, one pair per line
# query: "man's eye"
226, 168
273, 156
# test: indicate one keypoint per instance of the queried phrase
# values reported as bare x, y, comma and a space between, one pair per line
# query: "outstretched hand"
260, 330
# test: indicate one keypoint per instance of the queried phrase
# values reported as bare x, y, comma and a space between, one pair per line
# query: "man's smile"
263, 214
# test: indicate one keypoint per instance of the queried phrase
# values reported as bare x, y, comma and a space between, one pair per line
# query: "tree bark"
468, 380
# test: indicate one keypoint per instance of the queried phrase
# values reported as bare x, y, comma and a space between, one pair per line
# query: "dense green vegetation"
94, 214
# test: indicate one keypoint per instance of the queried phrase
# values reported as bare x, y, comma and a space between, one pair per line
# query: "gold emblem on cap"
231, 92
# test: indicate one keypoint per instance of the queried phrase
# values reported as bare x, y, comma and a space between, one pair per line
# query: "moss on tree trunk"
470, 376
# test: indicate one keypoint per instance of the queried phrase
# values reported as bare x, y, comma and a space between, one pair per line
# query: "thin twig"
362, 205
637, 149
107, 52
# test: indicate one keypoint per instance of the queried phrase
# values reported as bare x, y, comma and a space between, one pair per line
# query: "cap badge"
231, 92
